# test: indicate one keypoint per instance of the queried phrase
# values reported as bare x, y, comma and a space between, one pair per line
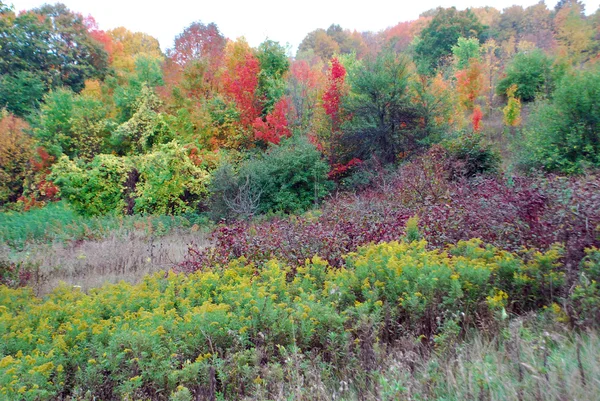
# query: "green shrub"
169, 182
474, 154
586, 295
286, 178
172, 330
532, 72
93, 188
564, 134
165, 181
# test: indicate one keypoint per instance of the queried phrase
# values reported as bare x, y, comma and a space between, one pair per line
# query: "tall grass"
57, 222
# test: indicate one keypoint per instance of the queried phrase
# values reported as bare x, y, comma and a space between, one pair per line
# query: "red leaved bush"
508, 212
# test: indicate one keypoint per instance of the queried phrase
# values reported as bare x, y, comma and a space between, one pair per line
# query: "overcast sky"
285, 22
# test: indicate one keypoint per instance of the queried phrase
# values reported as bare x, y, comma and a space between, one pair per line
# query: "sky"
257, 20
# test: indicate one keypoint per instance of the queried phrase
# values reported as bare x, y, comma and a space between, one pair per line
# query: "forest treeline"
109, 122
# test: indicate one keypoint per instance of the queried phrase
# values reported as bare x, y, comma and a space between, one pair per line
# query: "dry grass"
121, 256
519, 365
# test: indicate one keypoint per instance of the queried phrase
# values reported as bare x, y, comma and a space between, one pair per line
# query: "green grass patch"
57, 222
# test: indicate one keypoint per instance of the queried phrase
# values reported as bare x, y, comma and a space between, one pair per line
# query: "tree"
146, 128
532, 72
16, 151
21, 92
275, 125
320, 44
564, 134
437, 39
198, 52
332, 100
512, 111
384, 121
128, 45
274, 64
469, 84
573, 32
303, 84
241, 83
72, 125
45, 48
465, 50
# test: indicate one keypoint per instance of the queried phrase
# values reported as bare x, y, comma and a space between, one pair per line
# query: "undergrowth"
238, 331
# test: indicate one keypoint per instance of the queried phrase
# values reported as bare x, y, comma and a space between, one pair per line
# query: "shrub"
169, 182
475, 154
165, 181
93, 188
585, 297
286, 178
220, 329
532, 73
564, 134
508, 212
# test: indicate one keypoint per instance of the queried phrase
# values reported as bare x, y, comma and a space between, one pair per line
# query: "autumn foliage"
275, 125
240, 84
334, 91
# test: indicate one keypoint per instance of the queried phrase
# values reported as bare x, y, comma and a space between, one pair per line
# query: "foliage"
146, 128
437, 38
477, 156
93, 188
241, 83
276, 125
21, 92
287, 178
563, 135
533, 74
465, 50
509, 212
274, 65
168, 181
383, 121
73, 125
45, 48
512, 110
164, 181
117, 342
585, 297
15, 153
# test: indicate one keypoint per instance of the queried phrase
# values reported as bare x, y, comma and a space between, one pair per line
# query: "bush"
286, 178
533, 74
564, 134
508, 212
475, 155
222, 328
165, 181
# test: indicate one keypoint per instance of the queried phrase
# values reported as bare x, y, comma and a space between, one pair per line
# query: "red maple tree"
275, 125
241, 84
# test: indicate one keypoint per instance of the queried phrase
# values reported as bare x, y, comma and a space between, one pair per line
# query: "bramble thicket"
410, 214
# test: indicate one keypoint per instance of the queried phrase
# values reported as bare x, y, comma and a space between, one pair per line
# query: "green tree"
564, 134
465, 50
385, 121
53, 43
436, 40
73, 125
274, 64
146, 127
21, 92
532, 72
